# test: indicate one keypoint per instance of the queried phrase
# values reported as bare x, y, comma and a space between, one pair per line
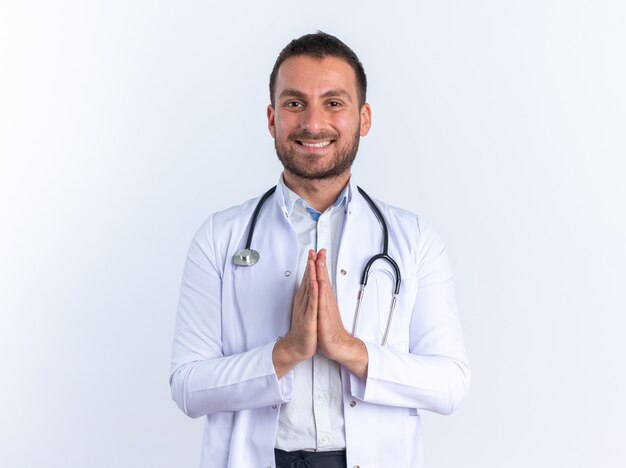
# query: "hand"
300, 343
335, 342
331, 333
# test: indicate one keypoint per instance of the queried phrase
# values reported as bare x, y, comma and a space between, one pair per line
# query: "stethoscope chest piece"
246, 257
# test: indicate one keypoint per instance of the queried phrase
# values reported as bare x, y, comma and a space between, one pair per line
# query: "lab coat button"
287, 273
274, 406
352, 404
343, 272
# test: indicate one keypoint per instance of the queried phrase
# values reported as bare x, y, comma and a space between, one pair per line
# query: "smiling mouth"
319, 144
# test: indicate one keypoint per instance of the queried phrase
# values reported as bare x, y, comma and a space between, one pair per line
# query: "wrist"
346, 349
351, 353
285, 356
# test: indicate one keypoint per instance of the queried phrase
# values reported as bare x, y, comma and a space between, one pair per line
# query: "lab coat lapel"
262, 312
362, 238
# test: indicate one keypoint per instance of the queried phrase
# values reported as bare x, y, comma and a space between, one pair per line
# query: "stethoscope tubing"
255, 216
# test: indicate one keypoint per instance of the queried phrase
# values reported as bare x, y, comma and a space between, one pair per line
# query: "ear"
270, 121
366, 119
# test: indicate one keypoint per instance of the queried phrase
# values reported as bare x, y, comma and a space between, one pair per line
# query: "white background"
123, 124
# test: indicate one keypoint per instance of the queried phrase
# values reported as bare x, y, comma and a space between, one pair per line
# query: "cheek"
284, 126
347, 125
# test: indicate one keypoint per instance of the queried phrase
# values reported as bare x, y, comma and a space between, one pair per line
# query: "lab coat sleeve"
203, 380
434, 374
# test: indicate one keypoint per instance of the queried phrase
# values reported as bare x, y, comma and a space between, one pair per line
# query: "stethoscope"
248, 257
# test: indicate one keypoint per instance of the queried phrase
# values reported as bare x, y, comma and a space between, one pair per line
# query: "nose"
313, 119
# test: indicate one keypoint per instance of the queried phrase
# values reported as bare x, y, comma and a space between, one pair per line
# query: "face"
316, 120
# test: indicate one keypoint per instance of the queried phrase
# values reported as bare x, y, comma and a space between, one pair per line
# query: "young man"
290, 362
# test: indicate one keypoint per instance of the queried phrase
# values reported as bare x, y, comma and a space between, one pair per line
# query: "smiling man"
290, 360
317, 117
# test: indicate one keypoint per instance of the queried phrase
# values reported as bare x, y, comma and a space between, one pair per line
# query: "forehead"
314, 76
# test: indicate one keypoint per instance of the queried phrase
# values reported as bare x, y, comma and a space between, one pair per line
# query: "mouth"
314, 144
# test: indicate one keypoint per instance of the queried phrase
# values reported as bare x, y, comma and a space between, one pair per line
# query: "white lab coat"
229, 318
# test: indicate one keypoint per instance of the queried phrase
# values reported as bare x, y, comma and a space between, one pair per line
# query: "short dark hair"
321, 45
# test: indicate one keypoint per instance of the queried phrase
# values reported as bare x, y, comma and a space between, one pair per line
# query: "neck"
318, 193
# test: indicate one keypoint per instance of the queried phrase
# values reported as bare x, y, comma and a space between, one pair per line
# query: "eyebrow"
337, 92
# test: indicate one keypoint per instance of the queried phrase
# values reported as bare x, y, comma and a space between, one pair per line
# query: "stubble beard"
297, 164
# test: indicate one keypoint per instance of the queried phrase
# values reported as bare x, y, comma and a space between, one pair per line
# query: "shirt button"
287, 273
343, 272
352, 404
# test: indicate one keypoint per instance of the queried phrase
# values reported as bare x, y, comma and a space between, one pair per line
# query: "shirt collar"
291, 198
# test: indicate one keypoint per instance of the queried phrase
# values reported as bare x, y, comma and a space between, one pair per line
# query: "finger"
322, 282
309, 309
313, 304
322, 301
320, 266
304, 282
311, 265
312, 255
311, 281
309, 271
308, 263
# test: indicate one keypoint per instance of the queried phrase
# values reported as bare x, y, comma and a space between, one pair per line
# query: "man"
271, 354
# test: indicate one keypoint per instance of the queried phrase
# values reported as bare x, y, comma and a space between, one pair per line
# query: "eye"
294, 104
334, 104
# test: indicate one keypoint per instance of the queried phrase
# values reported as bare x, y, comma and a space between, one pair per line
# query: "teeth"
321, 144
